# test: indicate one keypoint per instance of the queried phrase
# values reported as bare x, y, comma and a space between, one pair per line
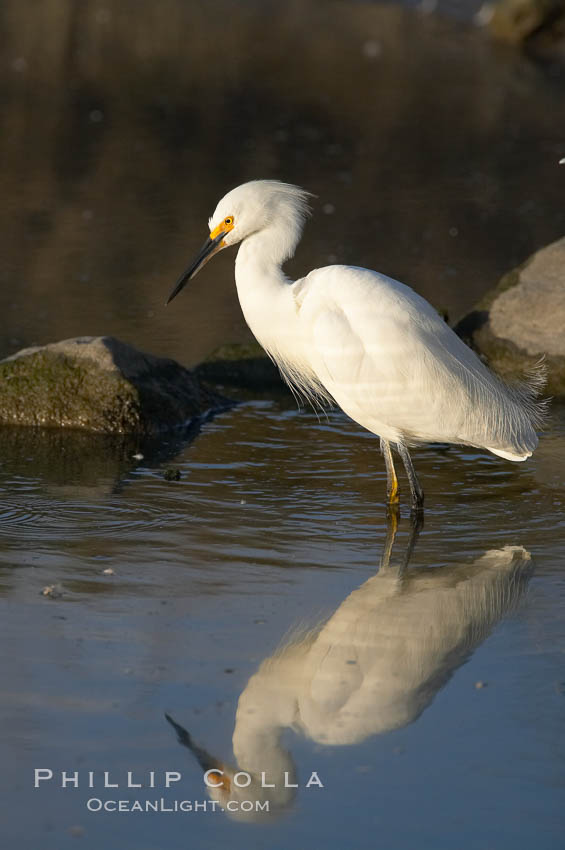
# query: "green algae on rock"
100, 384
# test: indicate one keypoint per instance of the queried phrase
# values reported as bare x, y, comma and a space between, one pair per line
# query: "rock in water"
523, 319
100, 384
244, 366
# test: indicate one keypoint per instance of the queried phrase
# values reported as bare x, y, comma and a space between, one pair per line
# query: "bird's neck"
266, 707
262, 287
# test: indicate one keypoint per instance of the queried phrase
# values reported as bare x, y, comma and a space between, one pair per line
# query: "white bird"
364, 341
374, 666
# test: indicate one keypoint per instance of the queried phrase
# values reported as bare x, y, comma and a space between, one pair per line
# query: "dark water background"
433, 153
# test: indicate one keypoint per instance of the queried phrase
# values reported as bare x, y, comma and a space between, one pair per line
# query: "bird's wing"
394, 365
365, 347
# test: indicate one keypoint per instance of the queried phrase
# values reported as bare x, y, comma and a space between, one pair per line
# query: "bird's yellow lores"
364, 341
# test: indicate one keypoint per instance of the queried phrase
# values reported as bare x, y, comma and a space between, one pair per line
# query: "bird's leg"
391, 479
391, 529
416, 491
417, 524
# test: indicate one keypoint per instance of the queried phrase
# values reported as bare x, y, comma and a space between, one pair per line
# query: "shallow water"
277, 518
429, 701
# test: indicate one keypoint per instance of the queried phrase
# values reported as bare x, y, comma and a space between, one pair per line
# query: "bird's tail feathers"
528, 390
509, 455
517, 437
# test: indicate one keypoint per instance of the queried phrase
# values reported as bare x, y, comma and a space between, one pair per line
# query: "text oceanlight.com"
95, 804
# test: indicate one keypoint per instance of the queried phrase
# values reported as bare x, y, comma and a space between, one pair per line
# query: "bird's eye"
228, 220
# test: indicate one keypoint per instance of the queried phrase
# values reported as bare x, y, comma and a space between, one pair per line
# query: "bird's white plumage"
373, 666
396, 367
364, 340
379, 659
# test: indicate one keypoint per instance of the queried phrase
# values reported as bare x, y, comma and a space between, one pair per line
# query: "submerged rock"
523, 319
242, 365
100, 384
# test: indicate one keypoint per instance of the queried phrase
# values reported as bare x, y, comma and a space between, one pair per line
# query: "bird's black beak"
204, 759
210, 247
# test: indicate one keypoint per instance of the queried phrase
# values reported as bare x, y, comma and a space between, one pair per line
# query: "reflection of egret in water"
372, 667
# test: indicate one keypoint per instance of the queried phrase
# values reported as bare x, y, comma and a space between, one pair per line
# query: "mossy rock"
100, 384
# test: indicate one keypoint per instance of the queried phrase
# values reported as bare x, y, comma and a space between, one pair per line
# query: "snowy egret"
364, 341
373, 666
